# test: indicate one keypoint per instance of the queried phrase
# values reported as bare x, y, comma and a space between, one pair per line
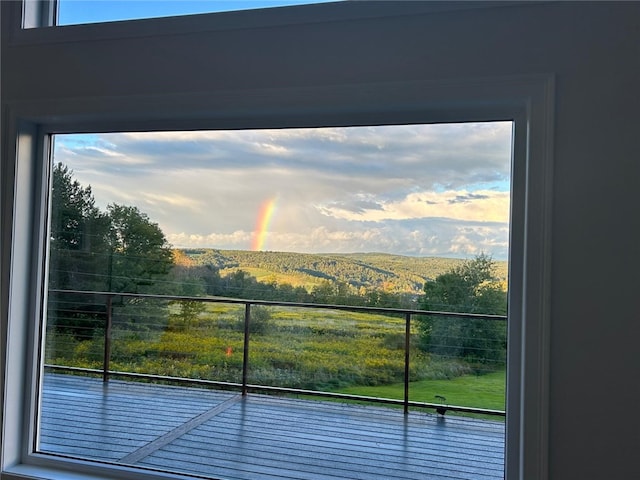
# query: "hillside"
394, 273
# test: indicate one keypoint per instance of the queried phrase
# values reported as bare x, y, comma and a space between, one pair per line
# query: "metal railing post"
407, 346
245, 353
107, 340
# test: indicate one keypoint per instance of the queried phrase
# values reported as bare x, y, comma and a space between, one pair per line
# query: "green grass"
481, 391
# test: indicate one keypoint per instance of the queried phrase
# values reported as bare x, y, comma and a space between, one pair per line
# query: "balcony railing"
91, 314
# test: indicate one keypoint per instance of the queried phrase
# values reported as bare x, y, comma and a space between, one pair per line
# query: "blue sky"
423, 190
90, 11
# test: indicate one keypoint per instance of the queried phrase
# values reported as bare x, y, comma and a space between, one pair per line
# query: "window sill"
70, 469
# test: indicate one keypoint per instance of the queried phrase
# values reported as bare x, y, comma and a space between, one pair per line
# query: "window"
274, 102
72, 12
351, 216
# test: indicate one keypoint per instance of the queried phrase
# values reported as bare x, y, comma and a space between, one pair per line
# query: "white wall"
594, 51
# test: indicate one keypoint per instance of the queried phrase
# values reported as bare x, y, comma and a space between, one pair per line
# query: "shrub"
259, 321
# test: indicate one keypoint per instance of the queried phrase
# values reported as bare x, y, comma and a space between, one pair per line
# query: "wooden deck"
224, 435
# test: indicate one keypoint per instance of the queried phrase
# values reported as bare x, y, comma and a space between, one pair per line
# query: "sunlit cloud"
271, 149
482, 205
230, 241
433, 238
173, 200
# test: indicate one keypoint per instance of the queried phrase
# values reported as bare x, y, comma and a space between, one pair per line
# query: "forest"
361, 271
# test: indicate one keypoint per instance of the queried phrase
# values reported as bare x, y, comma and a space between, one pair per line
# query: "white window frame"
527, 100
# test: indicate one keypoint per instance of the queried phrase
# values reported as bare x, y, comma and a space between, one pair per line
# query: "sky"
72, 12
419, 190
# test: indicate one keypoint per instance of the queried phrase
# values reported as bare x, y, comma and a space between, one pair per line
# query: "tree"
78, 240
468, 288
188, 279
140, 252
259, 320
120, 250
78, 246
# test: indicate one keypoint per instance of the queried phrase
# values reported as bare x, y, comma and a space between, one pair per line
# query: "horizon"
338, 254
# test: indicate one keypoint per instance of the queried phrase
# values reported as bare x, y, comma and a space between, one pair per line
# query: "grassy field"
483, 391
315, 349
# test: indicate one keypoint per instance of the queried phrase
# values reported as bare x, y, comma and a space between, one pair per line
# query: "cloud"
487, 205
235, 240
172, 200
422, 154
417, 189
434, 237
359, 205
468, 197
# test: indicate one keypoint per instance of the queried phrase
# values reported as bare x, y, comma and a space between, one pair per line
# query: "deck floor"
223, 435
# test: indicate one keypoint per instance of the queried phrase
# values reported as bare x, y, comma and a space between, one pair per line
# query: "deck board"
220, 435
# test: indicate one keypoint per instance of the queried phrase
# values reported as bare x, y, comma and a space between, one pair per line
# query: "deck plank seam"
179, 431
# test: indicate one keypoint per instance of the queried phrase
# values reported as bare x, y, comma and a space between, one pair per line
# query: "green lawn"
482, 391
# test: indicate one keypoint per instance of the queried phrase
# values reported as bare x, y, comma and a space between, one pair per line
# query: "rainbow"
262, 223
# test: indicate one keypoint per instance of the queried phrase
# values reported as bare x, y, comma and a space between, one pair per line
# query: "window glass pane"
196, 259
72, 12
